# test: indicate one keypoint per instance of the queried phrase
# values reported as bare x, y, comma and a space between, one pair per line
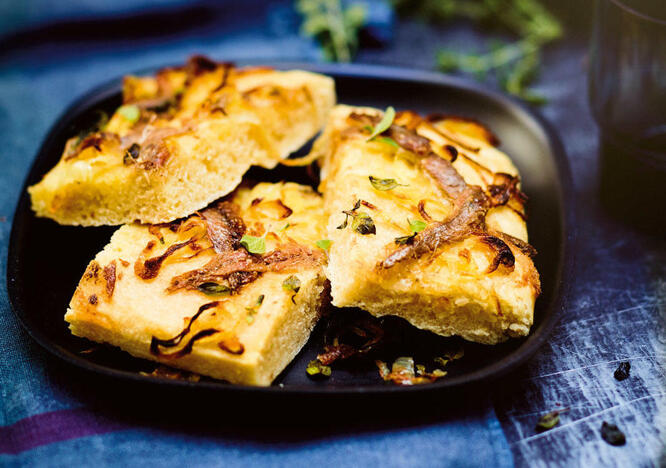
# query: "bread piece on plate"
182, 139
427, 223
189, 294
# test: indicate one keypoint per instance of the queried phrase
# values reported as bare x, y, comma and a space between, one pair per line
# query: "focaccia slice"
427, 223
191, 295
182, 139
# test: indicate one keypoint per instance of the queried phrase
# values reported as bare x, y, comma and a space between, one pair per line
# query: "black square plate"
46, 260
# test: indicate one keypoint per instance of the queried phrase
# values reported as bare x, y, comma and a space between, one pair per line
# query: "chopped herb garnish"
388, 141
317, 369
405, 240
384, 184
255, 245
548, 421
384, 124
213, 289
130, 112
417, 225
363, 224
323, 244
292, 284
285, 227
611, 434
622, 371
251, 311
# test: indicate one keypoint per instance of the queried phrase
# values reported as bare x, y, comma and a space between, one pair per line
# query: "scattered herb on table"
514, 64
317, 369
611, 434
548, 421
335, 27
622, 371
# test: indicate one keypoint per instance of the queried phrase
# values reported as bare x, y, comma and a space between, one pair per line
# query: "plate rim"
493, 371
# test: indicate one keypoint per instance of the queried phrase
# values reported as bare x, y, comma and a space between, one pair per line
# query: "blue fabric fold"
42, 421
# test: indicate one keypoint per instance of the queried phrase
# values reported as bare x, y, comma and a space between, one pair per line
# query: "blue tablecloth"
42, 421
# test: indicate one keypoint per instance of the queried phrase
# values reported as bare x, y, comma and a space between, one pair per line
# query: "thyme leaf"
323, 244
384, 184
384, 124
130, 112
317, 369
417, 225
214, 289
255, 245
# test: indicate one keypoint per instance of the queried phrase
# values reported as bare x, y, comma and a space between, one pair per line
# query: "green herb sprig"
334, 27
515, 64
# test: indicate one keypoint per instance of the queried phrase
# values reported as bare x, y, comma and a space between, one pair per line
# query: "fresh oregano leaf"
384, 124
383, 184
255, 245
388, 141
213, 289
417, 225
323, 244
130, 112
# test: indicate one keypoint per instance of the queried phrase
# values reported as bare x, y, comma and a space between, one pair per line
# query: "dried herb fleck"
622, 371
548, 421
251, 311
255, 245
384, 124
611, 434
384, 184
130, 112
317, 369
292, 284
214, 289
